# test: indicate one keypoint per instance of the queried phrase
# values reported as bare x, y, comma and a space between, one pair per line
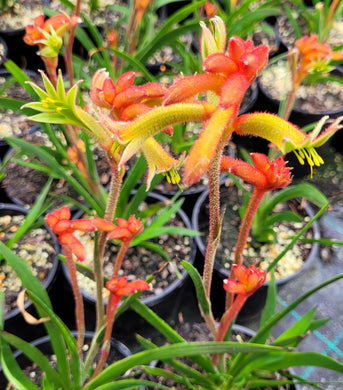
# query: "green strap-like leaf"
202, 299
12, 370
126, 384
30, 282
35, 355
175, 350
67, 337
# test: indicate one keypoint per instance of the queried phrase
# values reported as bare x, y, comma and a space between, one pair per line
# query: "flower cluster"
61, 224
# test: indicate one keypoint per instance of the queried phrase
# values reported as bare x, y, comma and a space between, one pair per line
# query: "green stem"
79, 309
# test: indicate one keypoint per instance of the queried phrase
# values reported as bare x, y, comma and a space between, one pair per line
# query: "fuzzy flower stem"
69, 45
99, 283
79, 309
120, 256
116, 180
115, 185
105, 349
255, 200
289, 103
214, 229
214, 233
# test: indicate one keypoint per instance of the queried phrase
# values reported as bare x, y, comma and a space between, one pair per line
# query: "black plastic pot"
164, 303
298, 116
14, 322
256, 302
43, 344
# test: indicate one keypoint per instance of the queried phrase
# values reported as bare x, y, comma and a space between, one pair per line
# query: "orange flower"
59, 23
126, 229
210, 10
120, 287
249, 280
311, 56
60, 223
116, 97
266, 175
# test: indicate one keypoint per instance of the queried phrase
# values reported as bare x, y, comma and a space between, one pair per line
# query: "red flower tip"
249, 280
126, 230
266, 175
120, 287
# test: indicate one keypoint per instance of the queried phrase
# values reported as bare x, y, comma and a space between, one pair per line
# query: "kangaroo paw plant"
126, 122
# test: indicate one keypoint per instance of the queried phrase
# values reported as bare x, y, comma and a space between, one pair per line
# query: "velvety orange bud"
261, 161
128, 96
237, 47
189, 86
63, 226
108, 91
126, 229
74, 245
56, 22
34, 33
234, 90
83, 225
102, 224
125, 81
220, 63
250, 174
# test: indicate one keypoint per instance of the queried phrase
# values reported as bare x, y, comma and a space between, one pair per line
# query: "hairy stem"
105, 349
79, 308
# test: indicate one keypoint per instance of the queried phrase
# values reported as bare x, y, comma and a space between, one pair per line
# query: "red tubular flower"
120, 287
126, 229
249, 280
266, 175
60, 223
